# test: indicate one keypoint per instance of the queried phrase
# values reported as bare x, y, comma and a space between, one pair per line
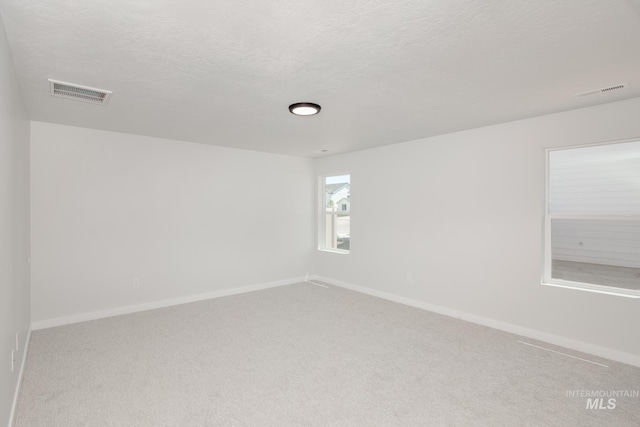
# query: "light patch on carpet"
564, 354
317, 284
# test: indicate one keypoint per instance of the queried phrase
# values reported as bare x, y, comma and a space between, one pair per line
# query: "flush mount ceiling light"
304, 109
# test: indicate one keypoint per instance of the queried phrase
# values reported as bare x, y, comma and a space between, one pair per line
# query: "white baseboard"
14, 406
82, 317
581, 346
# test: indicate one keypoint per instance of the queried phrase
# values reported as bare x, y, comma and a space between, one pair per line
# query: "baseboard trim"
83, 317
607, 353
16, 394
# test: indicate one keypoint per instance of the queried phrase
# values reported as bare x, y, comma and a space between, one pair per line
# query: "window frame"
547, 278
322, 222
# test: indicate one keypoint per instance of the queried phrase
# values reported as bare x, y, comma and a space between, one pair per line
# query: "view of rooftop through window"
337, 219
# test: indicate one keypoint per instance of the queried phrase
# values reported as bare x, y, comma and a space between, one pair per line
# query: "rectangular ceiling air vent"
78, 92
607, 89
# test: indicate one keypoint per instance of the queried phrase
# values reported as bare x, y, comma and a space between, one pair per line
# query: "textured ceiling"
224, 73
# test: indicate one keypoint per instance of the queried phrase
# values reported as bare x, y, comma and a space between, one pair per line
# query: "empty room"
319, 213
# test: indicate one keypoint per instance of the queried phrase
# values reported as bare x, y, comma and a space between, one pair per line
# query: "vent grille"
78, 92
607, 89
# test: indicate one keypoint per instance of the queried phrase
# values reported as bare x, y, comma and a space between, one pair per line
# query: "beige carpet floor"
305, 355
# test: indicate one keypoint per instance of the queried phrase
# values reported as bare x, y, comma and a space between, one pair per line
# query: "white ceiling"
224, 73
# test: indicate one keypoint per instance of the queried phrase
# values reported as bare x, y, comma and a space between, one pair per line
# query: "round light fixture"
304, 109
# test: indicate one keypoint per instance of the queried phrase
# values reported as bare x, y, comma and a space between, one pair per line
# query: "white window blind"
603, 179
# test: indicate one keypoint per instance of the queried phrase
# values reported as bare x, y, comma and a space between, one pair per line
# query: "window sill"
587, 287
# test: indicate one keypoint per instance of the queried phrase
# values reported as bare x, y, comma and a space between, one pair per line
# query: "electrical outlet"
136, 283
410, 278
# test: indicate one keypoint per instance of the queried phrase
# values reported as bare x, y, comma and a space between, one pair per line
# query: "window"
592, 224
335, 214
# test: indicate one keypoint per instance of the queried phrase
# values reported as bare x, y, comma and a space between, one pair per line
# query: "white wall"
183, 218
14, 227
470, 228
